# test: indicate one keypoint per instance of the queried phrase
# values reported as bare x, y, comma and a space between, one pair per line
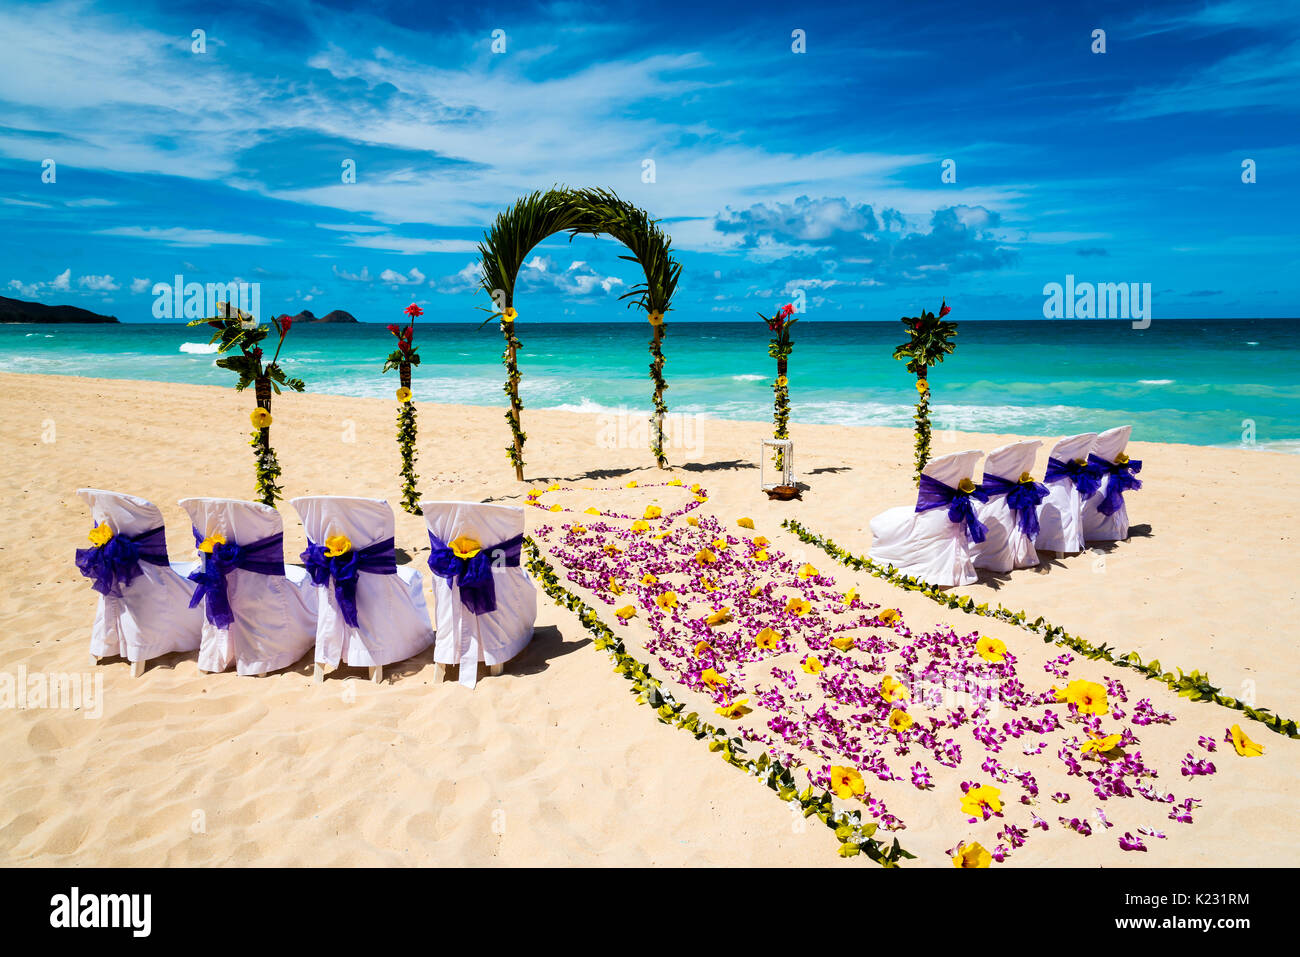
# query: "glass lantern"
779, 455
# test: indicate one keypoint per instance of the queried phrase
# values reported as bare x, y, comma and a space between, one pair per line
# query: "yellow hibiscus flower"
991, 649
708, 584
403, 394
101, 535
851, 595
922, 386
759, 540
966, 486
260, 417
720, 616
667, 600
591, 510
899, 720
337, 545
640, 525
701, 498
614, 587
807, 571
692, 521
1088, 696
712, 678
972, 855
843, 642
847, 783
889, 617
767, 639
720, 544
1245, 747
649, 579
782, 382
653, 511
632, 484
626, 612
612, 549
556, 508
675, 482
977, 798
737, 709
656, 318
1100, 745
798, 606
760, 555
812, 665
701, 647
577, 529
891, 689
705, 557
510, 315
745, 522
212, 541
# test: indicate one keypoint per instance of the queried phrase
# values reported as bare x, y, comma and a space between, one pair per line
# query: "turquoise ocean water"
1193, 381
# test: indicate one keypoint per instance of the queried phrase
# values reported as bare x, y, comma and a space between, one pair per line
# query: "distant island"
16, 310
338, 315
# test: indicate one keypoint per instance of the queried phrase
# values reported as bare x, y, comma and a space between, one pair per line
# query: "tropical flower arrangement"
236, 328
406, 354
844, 692
779, 348
929, 340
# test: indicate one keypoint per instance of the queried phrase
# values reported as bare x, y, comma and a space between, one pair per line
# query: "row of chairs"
350, 601
1000, 523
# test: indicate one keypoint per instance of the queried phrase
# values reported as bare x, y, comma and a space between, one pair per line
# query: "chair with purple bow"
258, 613
143, 610
932, 541
486, 602
371, 610
1011, 512
1070, 482
1105, 514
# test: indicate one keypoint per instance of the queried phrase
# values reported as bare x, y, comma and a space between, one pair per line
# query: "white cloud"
180, 236
412, 278
98, 283
140, 285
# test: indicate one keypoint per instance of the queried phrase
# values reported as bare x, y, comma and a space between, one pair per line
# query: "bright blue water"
1193, 381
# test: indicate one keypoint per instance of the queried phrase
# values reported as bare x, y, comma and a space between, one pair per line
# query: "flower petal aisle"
941, 739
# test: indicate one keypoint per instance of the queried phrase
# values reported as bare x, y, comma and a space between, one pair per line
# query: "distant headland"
338, 315
16, 310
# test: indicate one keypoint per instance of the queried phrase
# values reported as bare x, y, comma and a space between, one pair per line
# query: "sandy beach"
553, 762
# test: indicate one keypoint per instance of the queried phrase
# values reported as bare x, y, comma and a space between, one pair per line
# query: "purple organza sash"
115, 564
477, 591
934, 494
1086, 478
1023, 498
377, 559
1121, 480
265, 557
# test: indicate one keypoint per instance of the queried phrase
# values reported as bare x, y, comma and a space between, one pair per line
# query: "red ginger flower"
285, 323
944, 310
414, 311
786, 312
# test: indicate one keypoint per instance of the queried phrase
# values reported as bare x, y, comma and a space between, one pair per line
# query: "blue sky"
775, 171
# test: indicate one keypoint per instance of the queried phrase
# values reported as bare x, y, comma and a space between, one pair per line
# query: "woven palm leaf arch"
540, 215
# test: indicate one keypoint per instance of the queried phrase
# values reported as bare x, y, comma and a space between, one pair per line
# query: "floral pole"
244, 331
402, 358
514, 451
930, 339
657, 376
779, 348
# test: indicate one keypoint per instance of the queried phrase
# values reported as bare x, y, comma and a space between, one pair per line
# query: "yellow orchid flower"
653, 511
403, 394
991, 649
101, 535
337, 545
591, 510
899, 720
847, 783
972, 855
614, 587
807, 571
843, 642
712, 678
1088, 696
737, 709
813, 665
720, 616
626, 612
692, 521
640, 525
1100, 745
889, 617
977, 798
464, 546
767, 639
649, 579
1245, 747
851, 595
705, 557
212, 541
799, 606
667, 600
260, 417
675, 482
745, 522
891, 689
701, 647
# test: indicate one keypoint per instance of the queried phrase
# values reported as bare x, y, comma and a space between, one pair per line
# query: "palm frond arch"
540, 215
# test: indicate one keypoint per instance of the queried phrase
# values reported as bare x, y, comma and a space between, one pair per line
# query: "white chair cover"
275, 617
1061, 519
152, 617
1096, 526
1006, 546
495, 637
927, 544
392, 618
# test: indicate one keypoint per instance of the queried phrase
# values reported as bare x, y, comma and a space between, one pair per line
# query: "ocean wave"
1155, 381
199, 348
748, 378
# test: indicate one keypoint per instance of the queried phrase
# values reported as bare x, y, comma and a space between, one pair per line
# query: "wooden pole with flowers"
779, 348
235, 327
402, 358
930, 339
